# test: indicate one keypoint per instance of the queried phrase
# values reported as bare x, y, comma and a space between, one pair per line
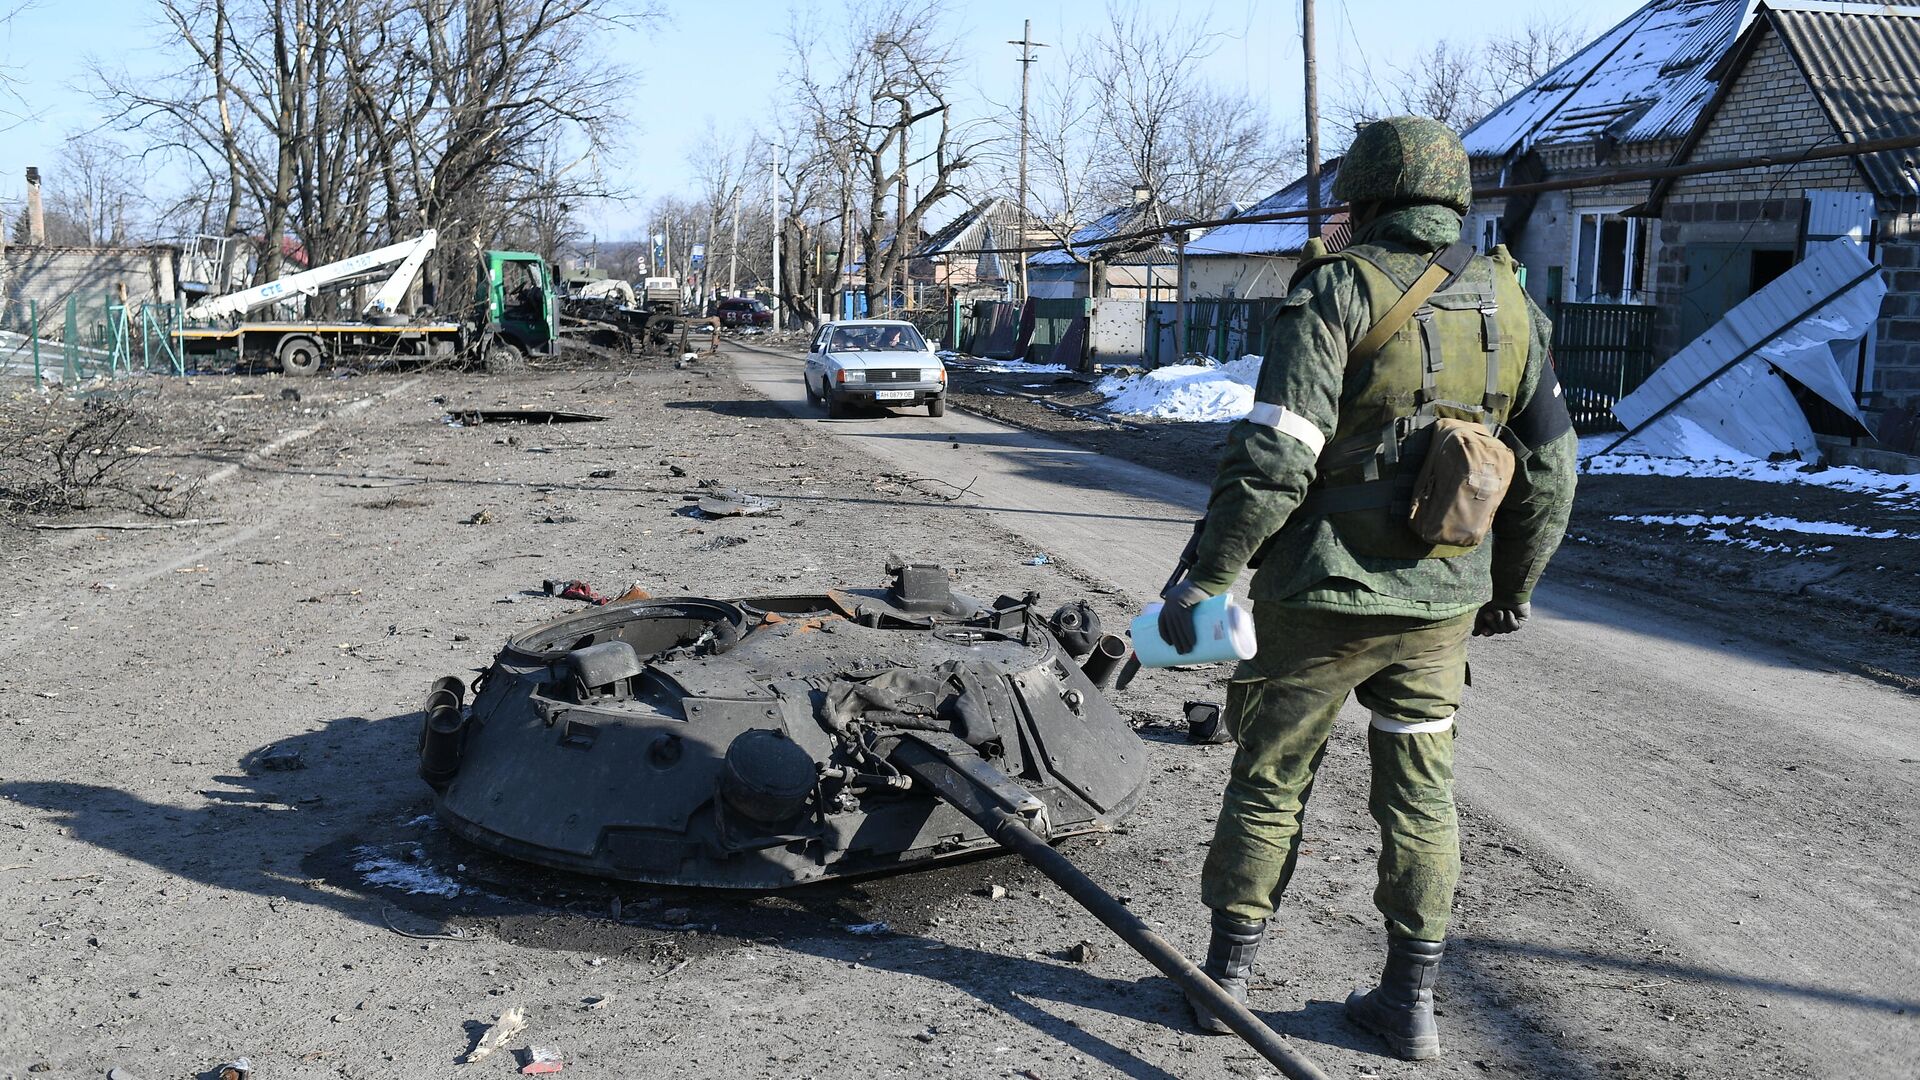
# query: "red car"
742, 312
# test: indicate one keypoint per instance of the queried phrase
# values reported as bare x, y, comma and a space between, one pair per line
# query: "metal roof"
1644, 80
1269, 237
1133, 217
1863, 63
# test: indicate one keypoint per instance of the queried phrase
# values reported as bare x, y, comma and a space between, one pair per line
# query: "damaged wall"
1724, 236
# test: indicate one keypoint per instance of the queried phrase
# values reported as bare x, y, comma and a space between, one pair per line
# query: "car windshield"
875, 339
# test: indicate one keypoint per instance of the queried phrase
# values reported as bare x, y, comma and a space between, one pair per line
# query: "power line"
1699, 168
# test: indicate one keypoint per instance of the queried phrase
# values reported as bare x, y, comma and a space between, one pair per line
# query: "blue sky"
721, 61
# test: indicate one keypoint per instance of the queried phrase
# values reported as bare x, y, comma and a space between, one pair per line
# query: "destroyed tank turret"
764, 742
775, 740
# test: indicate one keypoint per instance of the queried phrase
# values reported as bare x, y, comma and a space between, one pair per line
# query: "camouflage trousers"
1280, 709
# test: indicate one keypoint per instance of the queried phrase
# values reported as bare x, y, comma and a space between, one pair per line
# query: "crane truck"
513, 316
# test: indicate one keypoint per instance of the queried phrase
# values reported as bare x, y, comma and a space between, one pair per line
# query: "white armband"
1287, 422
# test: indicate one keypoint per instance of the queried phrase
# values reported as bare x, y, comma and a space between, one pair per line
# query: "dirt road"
1633, 783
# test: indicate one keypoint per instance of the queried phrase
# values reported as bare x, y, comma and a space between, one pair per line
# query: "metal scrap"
475, 417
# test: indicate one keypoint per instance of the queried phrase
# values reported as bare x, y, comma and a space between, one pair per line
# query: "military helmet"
1406, 159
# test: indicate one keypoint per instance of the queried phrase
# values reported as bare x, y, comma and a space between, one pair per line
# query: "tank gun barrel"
1017, 821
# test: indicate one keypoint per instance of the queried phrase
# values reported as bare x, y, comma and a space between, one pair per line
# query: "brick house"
1625, 101
1802, 75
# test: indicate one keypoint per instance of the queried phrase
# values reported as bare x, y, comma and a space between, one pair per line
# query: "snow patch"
1701, 455
1016, 367
410, 873
1196, 393
1768, 523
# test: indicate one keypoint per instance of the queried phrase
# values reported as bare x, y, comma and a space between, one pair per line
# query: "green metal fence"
1602, 353
80, 340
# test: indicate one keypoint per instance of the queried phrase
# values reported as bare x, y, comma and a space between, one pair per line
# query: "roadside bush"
59, 456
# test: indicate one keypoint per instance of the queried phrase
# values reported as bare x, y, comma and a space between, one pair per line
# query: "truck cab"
516, 305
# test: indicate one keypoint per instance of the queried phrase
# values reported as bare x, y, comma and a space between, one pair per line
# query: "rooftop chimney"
36, 215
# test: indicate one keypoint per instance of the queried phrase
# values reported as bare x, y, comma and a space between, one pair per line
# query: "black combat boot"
1229, 962
1400, 1009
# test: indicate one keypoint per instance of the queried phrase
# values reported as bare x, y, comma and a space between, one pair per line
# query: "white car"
875, 362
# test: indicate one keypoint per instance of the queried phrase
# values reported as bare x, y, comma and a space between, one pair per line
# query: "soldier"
1406, 340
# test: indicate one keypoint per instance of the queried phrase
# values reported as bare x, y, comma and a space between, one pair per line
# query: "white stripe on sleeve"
1288, 422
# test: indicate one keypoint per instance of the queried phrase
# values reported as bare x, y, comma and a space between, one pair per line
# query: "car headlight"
847, 375
932, 374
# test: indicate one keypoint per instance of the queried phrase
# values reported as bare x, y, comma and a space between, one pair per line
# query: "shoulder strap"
1446, 266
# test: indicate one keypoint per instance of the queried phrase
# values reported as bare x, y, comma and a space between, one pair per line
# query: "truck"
662, 295
513, 315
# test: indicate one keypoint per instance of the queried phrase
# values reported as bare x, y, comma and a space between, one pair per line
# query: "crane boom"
409, 254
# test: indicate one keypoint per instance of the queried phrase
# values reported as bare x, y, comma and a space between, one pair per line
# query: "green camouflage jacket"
1266, 470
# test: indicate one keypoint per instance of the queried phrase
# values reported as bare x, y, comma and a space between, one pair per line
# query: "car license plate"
893, 395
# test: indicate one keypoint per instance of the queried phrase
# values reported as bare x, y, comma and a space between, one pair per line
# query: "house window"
1484, 231
1609, 258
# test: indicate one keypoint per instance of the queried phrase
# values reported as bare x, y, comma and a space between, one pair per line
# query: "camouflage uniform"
1351, 601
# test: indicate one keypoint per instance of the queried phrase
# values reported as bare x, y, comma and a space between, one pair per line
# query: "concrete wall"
1238, 277
1712, 224
49, 275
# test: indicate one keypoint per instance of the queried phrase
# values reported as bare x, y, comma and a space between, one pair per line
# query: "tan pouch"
1460, 485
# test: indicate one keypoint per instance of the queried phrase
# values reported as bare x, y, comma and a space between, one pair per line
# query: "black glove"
1497, 619
1176, 615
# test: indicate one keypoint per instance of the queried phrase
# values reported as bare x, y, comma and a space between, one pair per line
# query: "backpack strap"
1447, 265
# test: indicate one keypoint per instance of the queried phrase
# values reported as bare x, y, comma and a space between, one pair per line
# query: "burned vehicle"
772, 741
760, 742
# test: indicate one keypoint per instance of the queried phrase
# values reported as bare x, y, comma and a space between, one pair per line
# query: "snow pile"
1192, 392
1702, 455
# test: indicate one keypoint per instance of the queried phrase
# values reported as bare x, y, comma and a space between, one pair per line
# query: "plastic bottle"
1223, 628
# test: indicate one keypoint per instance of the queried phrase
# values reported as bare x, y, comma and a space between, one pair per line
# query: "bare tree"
1129, 109
886, 68
340, 124
1456, 83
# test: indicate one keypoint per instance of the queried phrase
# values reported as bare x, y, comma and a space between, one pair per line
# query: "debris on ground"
994, 892
602, 474
535, 1060
1039, 559
1206, 724
731, 502
480, 517
574, 589
237, 1069
870, 929
505, 1026
1083, 953
281, 759
476, 417
569, 589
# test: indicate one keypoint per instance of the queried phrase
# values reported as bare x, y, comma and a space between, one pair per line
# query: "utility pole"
733, 249
900, 229
1313, 119
774, 183
1027, 45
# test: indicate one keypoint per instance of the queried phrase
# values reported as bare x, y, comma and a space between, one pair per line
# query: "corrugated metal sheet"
1269, 237
1833, 214
1863, 61
1790, 327
1643, 80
